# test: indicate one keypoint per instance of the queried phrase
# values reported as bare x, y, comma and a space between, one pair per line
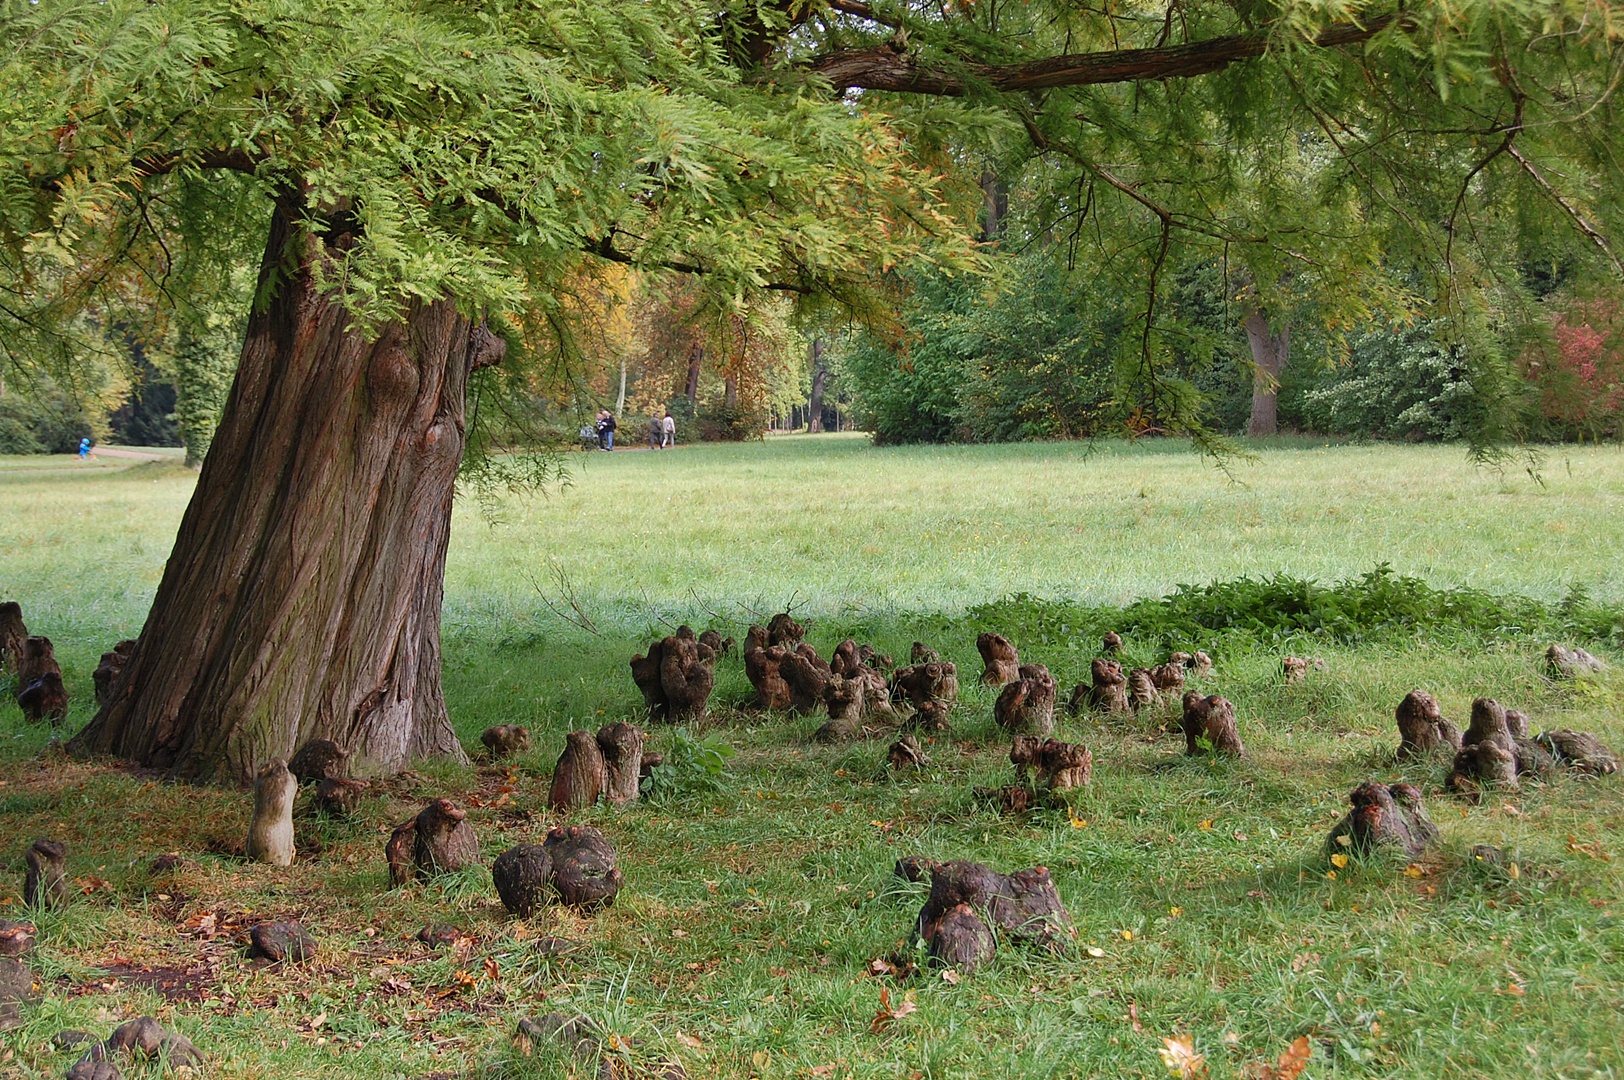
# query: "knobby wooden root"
607, 765
968, 900
1383, 816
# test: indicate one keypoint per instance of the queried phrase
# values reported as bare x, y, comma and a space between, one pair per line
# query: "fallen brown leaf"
887, 1013
1290, 1065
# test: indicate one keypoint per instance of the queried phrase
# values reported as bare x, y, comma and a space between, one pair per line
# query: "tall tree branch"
1579, 221
887, 67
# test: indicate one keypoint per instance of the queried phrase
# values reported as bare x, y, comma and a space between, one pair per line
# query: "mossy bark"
302, 598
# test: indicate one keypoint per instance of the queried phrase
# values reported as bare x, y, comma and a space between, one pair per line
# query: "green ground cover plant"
759, 893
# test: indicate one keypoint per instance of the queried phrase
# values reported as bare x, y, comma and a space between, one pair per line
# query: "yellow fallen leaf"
1175, 912
1127, 935
690, 1041
1339, 860
1413, 871
1077, 822
1205, 825
1178, 1054
1331, 875
1345, 840
1513, 871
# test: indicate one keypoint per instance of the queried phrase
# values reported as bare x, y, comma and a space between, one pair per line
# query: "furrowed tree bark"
302, 598
1269, 354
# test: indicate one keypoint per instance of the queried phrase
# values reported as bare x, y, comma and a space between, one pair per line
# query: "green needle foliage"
479, 151
484, 150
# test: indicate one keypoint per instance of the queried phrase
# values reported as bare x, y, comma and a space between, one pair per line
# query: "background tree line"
1037, 348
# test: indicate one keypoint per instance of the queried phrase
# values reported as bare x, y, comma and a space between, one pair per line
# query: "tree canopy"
476, 150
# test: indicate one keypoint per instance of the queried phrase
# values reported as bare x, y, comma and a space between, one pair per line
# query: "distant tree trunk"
820, 380
696, 358
730, 389
1269, 354
994, 206
302, 598
620, 398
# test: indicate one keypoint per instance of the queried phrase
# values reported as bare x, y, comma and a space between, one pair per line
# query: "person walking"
654, 431
84, 449
668, 432
608, 430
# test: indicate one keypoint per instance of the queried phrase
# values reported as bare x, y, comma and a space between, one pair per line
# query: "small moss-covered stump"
505, 740
338, 798
46, 882
1422, 728
438, 840
284, 940
1383, 816
318, 760
1209, 726
584, 870
523, 878
575, 866
1026, 706
1023, 907
1001, 664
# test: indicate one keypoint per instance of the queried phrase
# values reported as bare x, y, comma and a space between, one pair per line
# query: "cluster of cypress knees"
969, 907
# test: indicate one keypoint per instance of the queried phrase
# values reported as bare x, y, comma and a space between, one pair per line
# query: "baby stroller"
589, 437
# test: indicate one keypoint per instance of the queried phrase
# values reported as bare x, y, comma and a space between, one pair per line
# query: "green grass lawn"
743, 941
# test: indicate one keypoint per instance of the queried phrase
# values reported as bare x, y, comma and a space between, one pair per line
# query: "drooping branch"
888, 67
1591, 233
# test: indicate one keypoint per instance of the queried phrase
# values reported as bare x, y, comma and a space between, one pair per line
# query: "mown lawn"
743, 942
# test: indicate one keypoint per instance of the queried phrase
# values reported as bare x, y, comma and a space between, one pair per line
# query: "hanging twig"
706, 608
576, 615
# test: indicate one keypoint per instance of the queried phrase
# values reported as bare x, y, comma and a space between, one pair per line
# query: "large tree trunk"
820, 380
1269, 351
302, 598
690, 389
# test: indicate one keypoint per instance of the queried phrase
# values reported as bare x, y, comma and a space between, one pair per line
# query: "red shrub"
1580, 373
